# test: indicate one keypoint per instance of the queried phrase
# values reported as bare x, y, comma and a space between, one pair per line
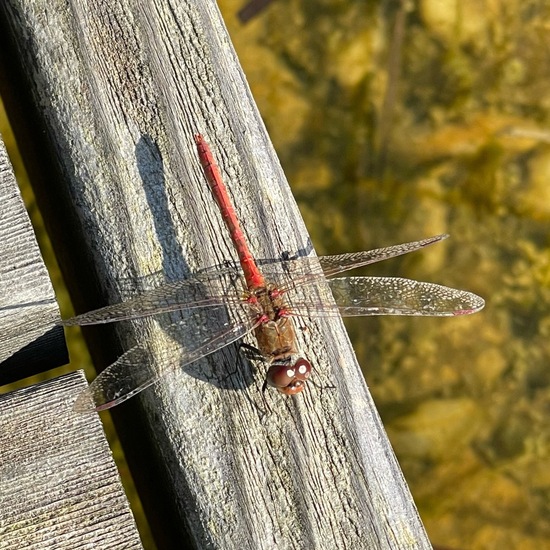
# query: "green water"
393, 125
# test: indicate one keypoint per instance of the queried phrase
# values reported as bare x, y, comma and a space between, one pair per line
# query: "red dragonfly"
210, 298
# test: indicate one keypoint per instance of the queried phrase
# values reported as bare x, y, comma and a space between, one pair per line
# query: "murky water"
394, 123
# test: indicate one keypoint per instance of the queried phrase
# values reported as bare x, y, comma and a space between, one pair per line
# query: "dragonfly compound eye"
280, 376
303, 369
289, 379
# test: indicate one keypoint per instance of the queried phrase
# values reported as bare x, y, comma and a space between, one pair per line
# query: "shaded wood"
30, 342
121, 88
60, 487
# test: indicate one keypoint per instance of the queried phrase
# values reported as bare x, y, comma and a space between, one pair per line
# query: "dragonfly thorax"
276, 339
268, 303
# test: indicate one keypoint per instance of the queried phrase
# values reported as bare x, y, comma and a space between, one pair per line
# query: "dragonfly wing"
192, 293
396, 296
358, 296
295, 272
332, 265
143, 365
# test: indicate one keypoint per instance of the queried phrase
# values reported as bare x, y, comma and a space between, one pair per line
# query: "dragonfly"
212, 312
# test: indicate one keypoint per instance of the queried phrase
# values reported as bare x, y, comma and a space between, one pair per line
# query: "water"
393, 125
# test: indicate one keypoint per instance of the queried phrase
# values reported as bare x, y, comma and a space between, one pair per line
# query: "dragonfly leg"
253, 352
264, 398
321, 387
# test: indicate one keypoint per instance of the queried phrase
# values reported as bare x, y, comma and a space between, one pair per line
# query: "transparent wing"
144, 364
216, 288
332, 265
356, 296
186, 294
301, 271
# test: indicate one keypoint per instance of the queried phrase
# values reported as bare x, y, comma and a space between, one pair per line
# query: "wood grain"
120, 88
60, 487
30, 342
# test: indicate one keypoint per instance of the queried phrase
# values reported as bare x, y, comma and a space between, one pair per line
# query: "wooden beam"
121, 87
60, 486
30, 342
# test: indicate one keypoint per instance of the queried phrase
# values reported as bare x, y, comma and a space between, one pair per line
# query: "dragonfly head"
289, 379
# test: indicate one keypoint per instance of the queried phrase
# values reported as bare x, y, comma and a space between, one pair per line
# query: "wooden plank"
121, 88
30, 341
60, 487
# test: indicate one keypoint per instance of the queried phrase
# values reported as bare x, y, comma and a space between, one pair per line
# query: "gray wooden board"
121, 87
59, 486
29, 340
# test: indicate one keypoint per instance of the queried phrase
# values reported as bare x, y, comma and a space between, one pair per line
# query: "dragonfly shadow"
194, 333
152, 173
228, 370
197, 331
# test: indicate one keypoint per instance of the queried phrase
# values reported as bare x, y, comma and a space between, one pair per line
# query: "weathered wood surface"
29, 340
59, 484
121, 88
